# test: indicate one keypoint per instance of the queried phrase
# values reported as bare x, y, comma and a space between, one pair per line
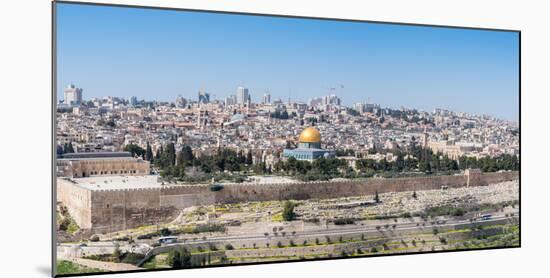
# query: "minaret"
425, 139
199, 119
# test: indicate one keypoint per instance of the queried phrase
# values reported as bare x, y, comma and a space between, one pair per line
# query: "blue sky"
158, 54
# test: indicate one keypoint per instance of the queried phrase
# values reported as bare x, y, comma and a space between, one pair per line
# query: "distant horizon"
160, 54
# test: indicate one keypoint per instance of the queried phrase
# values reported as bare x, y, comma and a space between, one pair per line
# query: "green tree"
68, 148
288, 211
424, 166
187, 154
117, 255
174, 259
148, 153
180, 258
248, 160
135, 150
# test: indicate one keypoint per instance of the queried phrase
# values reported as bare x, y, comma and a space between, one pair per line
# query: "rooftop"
118, 182
96, 155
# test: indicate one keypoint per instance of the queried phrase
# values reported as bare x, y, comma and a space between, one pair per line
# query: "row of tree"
66, 148
320, 169
179, 258
174, 163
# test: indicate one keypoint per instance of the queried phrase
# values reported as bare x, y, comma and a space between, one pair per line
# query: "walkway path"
108, 266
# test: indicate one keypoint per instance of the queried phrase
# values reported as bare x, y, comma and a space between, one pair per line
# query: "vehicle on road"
167, 239
485, 217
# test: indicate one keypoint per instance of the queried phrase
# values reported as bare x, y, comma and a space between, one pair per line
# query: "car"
485, 217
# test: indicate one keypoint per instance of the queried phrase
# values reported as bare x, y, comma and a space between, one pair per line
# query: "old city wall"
186, 196
490, 178
113, 210
300, 191
77, 200
332, 189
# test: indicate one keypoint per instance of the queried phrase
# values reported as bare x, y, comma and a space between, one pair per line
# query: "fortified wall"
103, 211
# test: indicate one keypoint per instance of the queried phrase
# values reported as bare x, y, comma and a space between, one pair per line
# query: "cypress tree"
148, 153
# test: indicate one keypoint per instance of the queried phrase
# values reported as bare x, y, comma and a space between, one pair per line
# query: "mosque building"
309, 146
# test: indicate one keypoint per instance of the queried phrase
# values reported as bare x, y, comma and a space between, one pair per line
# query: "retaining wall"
113, 210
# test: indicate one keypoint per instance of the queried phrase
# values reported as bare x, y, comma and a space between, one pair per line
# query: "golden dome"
310, 135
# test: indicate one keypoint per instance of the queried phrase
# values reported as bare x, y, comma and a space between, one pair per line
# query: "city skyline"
196, 139
435, 67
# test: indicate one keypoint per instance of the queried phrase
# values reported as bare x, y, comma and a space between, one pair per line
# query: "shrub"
146, 236
344, 221
124, 238
117, 255
165, 232
217, 187
132, 258
64, 224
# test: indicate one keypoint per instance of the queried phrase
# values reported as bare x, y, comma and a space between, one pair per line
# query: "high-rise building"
231, 100
181, 102
204, 97
360, 107
242, 95
133, 101
331, 100
73, 95
266, 99
315, 101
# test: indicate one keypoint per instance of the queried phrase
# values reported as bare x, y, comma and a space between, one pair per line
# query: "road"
346, 230
367, 230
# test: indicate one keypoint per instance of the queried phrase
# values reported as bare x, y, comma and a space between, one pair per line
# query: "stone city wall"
113, 210
77, 200
490, 178
233, 193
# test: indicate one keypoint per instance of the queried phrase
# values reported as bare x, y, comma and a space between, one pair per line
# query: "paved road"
368, 230
346, 230
399, 227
